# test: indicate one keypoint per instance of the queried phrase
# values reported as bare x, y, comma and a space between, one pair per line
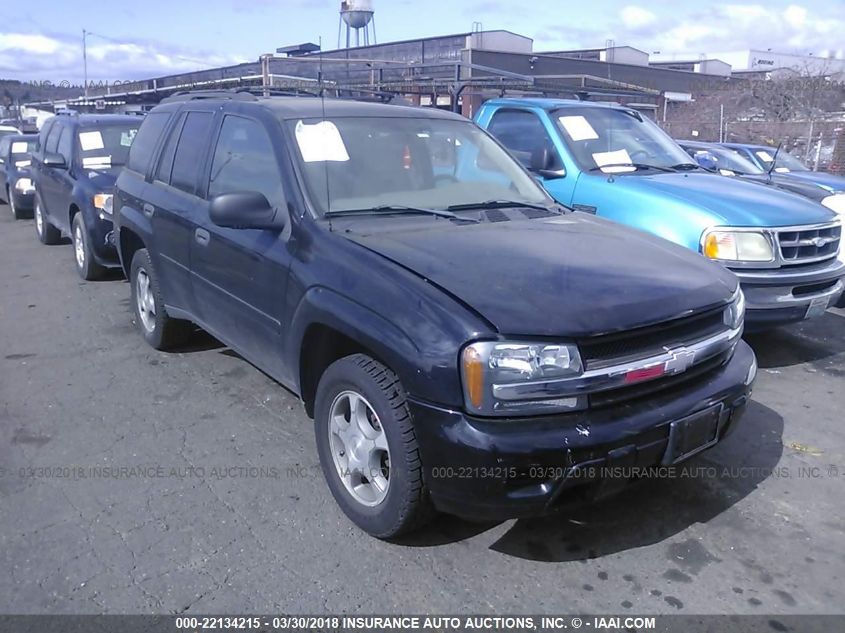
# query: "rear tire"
159, 330
86, 266
368, 449
46, 232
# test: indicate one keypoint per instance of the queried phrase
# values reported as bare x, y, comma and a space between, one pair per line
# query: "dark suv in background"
74, 168
462, 342
15, 179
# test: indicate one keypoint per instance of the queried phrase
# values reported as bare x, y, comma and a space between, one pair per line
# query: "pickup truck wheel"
368, 449
87, 268
16, 213
155, 325
47, 233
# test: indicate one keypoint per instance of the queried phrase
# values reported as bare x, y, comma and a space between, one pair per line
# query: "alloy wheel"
145, 301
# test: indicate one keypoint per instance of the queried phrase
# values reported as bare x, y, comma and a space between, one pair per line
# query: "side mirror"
245, 210
55, 160
541, 164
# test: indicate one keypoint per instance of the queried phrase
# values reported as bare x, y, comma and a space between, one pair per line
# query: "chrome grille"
802, 245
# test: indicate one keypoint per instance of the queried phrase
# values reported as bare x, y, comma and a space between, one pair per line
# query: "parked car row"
464, 341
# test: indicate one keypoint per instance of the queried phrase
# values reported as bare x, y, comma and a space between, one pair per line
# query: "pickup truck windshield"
785, 161
106, 146
609, 138
353, 164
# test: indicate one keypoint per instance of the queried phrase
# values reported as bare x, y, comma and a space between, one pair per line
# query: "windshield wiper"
396, 209
637, 166
499, 204
686, 166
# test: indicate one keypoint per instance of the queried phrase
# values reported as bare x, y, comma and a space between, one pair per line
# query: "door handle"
202, 236
148, 209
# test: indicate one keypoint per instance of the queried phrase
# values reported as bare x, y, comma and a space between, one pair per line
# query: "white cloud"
635, 17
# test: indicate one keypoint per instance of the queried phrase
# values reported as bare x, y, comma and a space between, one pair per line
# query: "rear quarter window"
146, 140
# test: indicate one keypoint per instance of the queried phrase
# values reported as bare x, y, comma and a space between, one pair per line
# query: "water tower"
358, 15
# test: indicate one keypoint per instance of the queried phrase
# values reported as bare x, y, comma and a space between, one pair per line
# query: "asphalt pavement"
135, 481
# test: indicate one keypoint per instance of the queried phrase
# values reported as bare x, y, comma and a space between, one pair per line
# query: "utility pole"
85, 61
721, 122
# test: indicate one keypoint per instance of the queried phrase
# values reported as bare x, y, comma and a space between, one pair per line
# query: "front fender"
130, 219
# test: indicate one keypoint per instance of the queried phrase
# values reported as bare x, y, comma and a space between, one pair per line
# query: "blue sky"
154, 37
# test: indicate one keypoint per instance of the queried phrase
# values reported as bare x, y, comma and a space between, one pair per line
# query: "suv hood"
569, 276
101, 179
730, 201
836, 183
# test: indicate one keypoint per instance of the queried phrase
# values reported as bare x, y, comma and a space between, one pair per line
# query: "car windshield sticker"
320, 142
23, 163
126, 137
578, 128
764, 155
782, 170
616, 162
91, 140
93, 162
19, 147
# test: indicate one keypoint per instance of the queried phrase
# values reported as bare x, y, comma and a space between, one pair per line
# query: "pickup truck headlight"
24, 185
509, 378
836, 202
103, 203
735, 312
737, 246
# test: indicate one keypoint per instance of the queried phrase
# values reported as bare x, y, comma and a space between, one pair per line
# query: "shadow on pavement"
803, 342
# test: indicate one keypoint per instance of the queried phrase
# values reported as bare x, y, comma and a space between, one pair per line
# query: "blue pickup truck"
614, 162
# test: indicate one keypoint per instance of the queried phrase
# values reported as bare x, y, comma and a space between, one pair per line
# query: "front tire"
16, 213
86, 266
159, 330
46, 232
368, 449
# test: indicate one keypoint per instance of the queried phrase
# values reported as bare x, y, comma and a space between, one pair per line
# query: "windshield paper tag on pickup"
91, 140
19, 147
764, 155
320, 142
578, 128
615, 160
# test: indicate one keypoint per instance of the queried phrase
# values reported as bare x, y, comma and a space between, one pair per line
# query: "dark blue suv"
74, 168
462, 342
15, 180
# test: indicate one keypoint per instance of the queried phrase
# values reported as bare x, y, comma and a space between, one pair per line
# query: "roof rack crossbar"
193, 95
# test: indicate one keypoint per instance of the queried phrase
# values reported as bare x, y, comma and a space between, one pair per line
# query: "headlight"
836, 202
103, 202
737, 246
511, 378
735, 312
24, 185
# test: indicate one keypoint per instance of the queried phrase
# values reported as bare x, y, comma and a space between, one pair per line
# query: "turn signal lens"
474, 376
737, 246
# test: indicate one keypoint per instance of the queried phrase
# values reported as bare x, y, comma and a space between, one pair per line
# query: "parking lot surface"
136, 481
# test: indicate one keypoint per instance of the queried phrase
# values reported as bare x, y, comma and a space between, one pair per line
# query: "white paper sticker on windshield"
126, 137
782, 170
578, 128
96, 162
618, 160
764, 155
320, 142
91, 140
23, 163
19, 147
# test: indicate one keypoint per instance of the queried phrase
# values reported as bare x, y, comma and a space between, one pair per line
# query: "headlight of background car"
737, 246
103, 203
836, 202
24, 185
517, 378
735, 312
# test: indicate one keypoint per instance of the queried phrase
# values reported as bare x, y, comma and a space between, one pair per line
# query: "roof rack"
193, 95
67, 112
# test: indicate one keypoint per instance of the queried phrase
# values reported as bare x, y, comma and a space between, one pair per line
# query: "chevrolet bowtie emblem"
680, 361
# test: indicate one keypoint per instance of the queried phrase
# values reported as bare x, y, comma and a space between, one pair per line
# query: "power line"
179, 57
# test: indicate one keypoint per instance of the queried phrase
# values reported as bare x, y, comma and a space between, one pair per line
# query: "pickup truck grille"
615, 349
799, 245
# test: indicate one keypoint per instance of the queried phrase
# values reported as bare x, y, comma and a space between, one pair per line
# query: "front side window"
65, 144
607, 139
244, 161
785, 162
106, 146
190, 151
360, 163
523, 133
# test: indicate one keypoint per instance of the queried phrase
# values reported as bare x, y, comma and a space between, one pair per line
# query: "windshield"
603, 137
107, 145
361, 163
21, 149
786, 161
731, 159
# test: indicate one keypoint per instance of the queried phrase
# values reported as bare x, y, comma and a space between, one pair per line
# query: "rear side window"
165, 161
189, 152
244, 161
42, 135
146, 140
